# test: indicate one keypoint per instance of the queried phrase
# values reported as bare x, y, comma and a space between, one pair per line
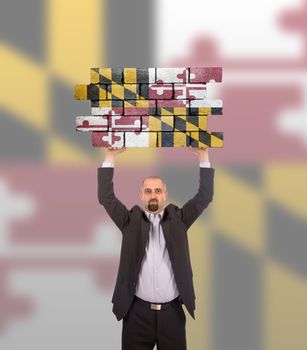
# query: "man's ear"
166, 195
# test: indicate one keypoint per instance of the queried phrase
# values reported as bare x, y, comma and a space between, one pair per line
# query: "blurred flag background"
59, 251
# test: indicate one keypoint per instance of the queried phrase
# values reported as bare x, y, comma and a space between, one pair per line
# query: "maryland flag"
150, 107
59, 251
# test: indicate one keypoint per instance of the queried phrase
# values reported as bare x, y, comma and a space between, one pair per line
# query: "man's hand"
111, 152
202, 153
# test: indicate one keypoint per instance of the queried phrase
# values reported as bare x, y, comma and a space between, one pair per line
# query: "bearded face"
153, 195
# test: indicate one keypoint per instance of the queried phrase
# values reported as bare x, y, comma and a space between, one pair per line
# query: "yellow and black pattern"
90, 92
190, 123
122, 75
123, 92
187, 138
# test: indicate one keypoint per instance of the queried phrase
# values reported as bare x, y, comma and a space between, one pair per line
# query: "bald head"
153, 177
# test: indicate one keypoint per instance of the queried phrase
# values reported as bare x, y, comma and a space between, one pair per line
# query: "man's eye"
158, 191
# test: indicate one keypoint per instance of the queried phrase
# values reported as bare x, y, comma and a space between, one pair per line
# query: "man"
155, 275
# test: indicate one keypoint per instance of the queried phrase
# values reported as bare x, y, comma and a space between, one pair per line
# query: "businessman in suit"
155, 275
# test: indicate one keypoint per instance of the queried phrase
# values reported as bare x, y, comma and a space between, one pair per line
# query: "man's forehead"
153, 183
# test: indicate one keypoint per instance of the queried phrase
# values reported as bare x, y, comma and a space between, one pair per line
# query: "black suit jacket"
134, 226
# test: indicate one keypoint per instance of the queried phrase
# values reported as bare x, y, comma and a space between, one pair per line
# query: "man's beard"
153, 205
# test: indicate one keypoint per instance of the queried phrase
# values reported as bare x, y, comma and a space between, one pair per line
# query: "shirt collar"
148, 213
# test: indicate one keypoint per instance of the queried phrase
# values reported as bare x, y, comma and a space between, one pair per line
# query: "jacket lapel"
145, 226
166, 226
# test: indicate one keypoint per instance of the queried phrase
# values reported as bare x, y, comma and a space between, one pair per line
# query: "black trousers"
144, 327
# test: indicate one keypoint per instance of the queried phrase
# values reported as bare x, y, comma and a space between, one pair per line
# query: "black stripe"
167, 139
144, 91
193, 119
104, 80
204, 137
92, 92
130, 34
142, 75
129, 95
117, 103
218, 134
118, 75
180, 124
216, 111
166, 127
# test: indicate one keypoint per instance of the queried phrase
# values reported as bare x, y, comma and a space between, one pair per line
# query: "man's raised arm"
114, 207
192, 209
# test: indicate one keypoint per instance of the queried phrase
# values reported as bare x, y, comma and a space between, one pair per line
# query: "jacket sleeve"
114, 207
192, 209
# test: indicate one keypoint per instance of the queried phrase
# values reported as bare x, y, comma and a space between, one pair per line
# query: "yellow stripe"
132, 88
80, 92
216, 142
283, 184
102, 93
231, 197
284, 307
94, 77
106, 72
130, 75
154, 123
152, 139
139, 104
180, 139
202, 122
75, 40
117, 91
31, 106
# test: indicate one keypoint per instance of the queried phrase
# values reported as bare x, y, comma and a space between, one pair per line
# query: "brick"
90, 92
109, 123
205, 138
158, 123
91, 123
172, 103
172, 75
173, 139
156, 91
106, 75
108, 139
137, 139
139, 75
206, 111
123, 92
172, 111
80, 92
139, 107
190, 91
107, 107
125, 123
205, 74
206, 103
190, 123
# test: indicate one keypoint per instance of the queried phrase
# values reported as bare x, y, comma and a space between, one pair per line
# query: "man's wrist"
109, 159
